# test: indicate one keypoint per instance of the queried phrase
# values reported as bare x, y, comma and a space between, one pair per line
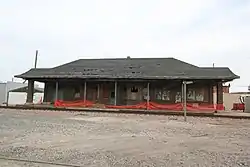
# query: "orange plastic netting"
76, 103
143, 105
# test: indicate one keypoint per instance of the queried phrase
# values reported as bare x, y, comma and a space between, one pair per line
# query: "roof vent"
128, 57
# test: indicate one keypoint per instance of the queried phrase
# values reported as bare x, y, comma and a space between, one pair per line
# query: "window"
134, 89
200, 95
145, 93
158, 94
134, 93
165, 95
112, 95
178, 97
162, 94
76, 92
196, 95
191, 95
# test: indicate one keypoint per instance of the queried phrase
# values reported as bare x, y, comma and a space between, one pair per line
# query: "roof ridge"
121, 58
66, 64
214, 67
185, 62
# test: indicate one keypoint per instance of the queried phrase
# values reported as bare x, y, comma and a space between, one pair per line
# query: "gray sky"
201, 32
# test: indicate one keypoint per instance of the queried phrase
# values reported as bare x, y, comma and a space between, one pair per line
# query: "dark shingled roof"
134, 68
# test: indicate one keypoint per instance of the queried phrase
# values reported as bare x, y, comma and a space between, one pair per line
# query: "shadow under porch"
132, 92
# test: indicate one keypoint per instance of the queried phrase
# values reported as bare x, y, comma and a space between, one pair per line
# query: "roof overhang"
24, 89
219, 73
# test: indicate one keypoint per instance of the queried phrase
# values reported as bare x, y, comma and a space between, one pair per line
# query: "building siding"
14, 98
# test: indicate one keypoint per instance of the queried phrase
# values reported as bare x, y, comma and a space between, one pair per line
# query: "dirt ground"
47, 138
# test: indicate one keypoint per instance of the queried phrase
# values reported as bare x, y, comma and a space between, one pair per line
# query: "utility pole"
36, 59
34, 81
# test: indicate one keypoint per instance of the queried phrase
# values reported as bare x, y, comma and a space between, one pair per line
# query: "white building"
15, 93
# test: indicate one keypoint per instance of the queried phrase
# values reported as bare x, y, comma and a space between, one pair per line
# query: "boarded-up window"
162, 94
76, 92
145, 93
178, 97
134, 93
198, 94
165, 94
134, 89
191, 95
158, 94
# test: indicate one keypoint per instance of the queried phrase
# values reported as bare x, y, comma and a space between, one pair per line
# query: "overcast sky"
201, 32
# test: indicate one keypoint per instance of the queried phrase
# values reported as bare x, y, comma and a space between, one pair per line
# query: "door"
112, 97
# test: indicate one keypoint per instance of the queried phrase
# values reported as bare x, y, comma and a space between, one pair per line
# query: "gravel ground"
98, 139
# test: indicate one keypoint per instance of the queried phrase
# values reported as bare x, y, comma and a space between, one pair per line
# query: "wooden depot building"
129, 81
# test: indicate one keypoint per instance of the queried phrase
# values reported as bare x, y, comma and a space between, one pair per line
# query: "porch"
131, 92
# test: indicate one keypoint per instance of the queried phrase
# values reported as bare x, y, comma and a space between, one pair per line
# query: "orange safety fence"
143, 105
156, 106
151, 106
136, 106
76, 103
173, 107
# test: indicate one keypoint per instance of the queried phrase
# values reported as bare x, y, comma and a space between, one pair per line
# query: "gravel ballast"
102, 139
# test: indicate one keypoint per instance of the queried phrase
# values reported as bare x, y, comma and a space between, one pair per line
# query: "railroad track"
38, 162
128, 111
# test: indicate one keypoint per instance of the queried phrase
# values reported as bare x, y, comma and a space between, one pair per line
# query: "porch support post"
98, 92
30, 92
210, 94
85, 91
7, 100
45, 93
182, 95
217, 97
219, 92
148, 95
115, 102
185, 100
56, 93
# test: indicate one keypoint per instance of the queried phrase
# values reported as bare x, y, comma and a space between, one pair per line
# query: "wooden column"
219, 90
101, 93
98, 93
185, 100
56, 92
148, 97
182, 94
8, 96
45, 93
30, 92
219, 96
115, 93
210, 94
85, 91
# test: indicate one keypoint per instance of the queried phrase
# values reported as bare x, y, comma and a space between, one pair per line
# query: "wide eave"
224, 74
141, 69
